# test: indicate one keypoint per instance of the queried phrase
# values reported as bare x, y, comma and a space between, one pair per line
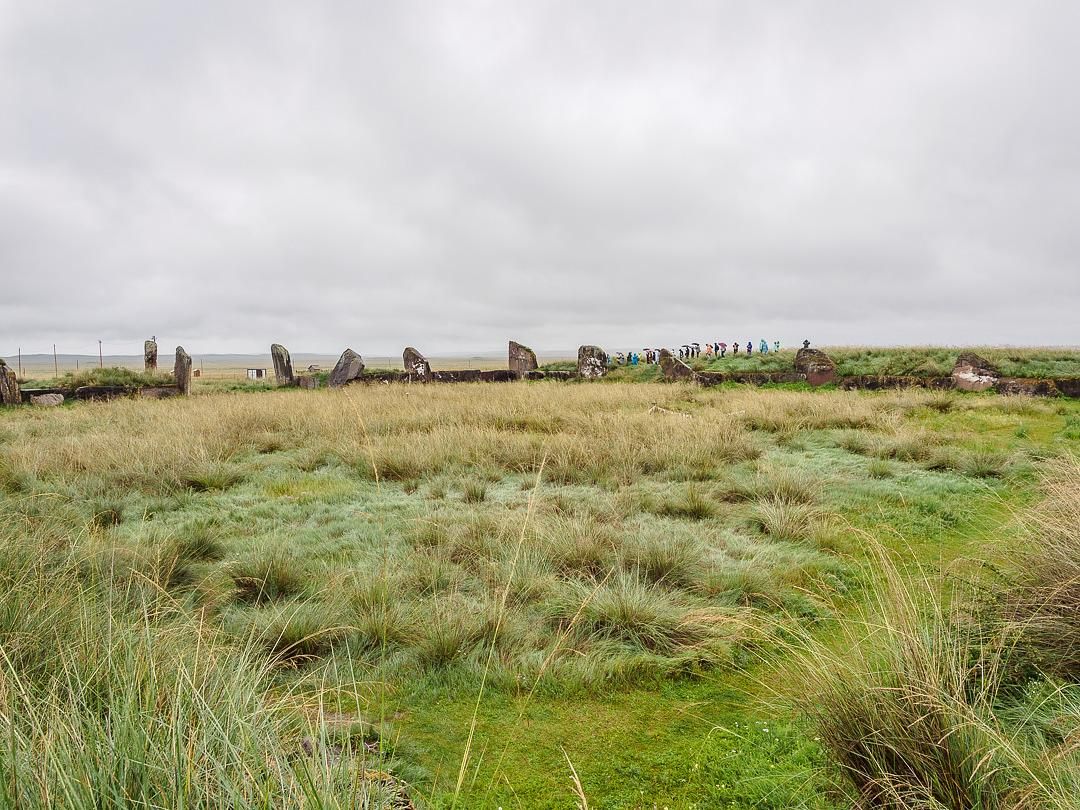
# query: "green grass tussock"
940, 698
106, 704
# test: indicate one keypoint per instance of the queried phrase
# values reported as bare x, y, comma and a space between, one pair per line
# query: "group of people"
689, 351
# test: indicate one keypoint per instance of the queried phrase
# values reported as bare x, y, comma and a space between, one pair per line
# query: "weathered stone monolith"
974, 373
522, 359
9, 385
818, 367
283, 371
182, 371
416, 364
308, 382
149, 356
673, 368
47, 400
591, 362
349, 367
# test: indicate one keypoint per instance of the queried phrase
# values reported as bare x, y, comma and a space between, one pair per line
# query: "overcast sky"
228, 174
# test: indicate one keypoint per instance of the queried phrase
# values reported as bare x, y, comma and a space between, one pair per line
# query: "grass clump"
474, 491
693, 504
211, 478
1042, 604
378, 618
783, 520
661, 557
453, 627
292, 634
581, 546
272, 577
108, 703
105, 515
879, 468
942, 698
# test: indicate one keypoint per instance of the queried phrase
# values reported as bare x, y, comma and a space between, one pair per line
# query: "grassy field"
537, 595
915, 361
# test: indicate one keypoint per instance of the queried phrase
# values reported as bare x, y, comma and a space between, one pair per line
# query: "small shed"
256, 373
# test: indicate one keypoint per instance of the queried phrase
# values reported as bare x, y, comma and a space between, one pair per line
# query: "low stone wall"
102, 393
710, 378
1011, 386
1069, 386
875, 382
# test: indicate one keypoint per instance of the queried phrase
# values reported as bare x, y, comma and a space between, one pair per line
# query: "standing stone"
149, 353
673, 368
591, 362
47, 400
308, 382
416, 364
283, 371
9, 386
974, 373
349, 367
182, 371
818, 367
522, 359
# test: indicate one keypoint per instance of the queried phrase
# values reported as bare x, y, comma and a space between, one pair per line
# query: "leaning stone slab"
592, 362
9, 386
28, 393
283, 370
416, 365
182, 371
47, 400
522, 359
349, 368
818, 367
974, 373
673, 368
150, 355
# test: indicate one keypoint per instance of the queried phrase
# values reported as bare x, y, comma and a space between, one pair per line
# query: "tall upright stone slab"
416, 364
349, 367
818, 367
283, 370
149, 353
522, 359
9, 385
673, 368
182, 371
592, 362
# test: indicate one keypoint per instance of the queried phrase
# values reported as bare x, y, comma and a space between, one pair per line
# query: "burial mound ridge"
812, 367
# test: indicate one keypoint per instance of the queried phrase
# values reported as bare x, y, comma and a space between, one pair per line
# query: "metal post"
100, 360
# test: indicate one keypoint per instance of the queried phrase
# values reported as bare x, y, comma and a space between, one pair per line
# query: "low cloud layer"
452, 175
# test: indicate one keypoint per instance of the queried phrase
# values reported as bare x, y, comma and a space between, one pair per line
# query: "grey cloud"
450, 175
